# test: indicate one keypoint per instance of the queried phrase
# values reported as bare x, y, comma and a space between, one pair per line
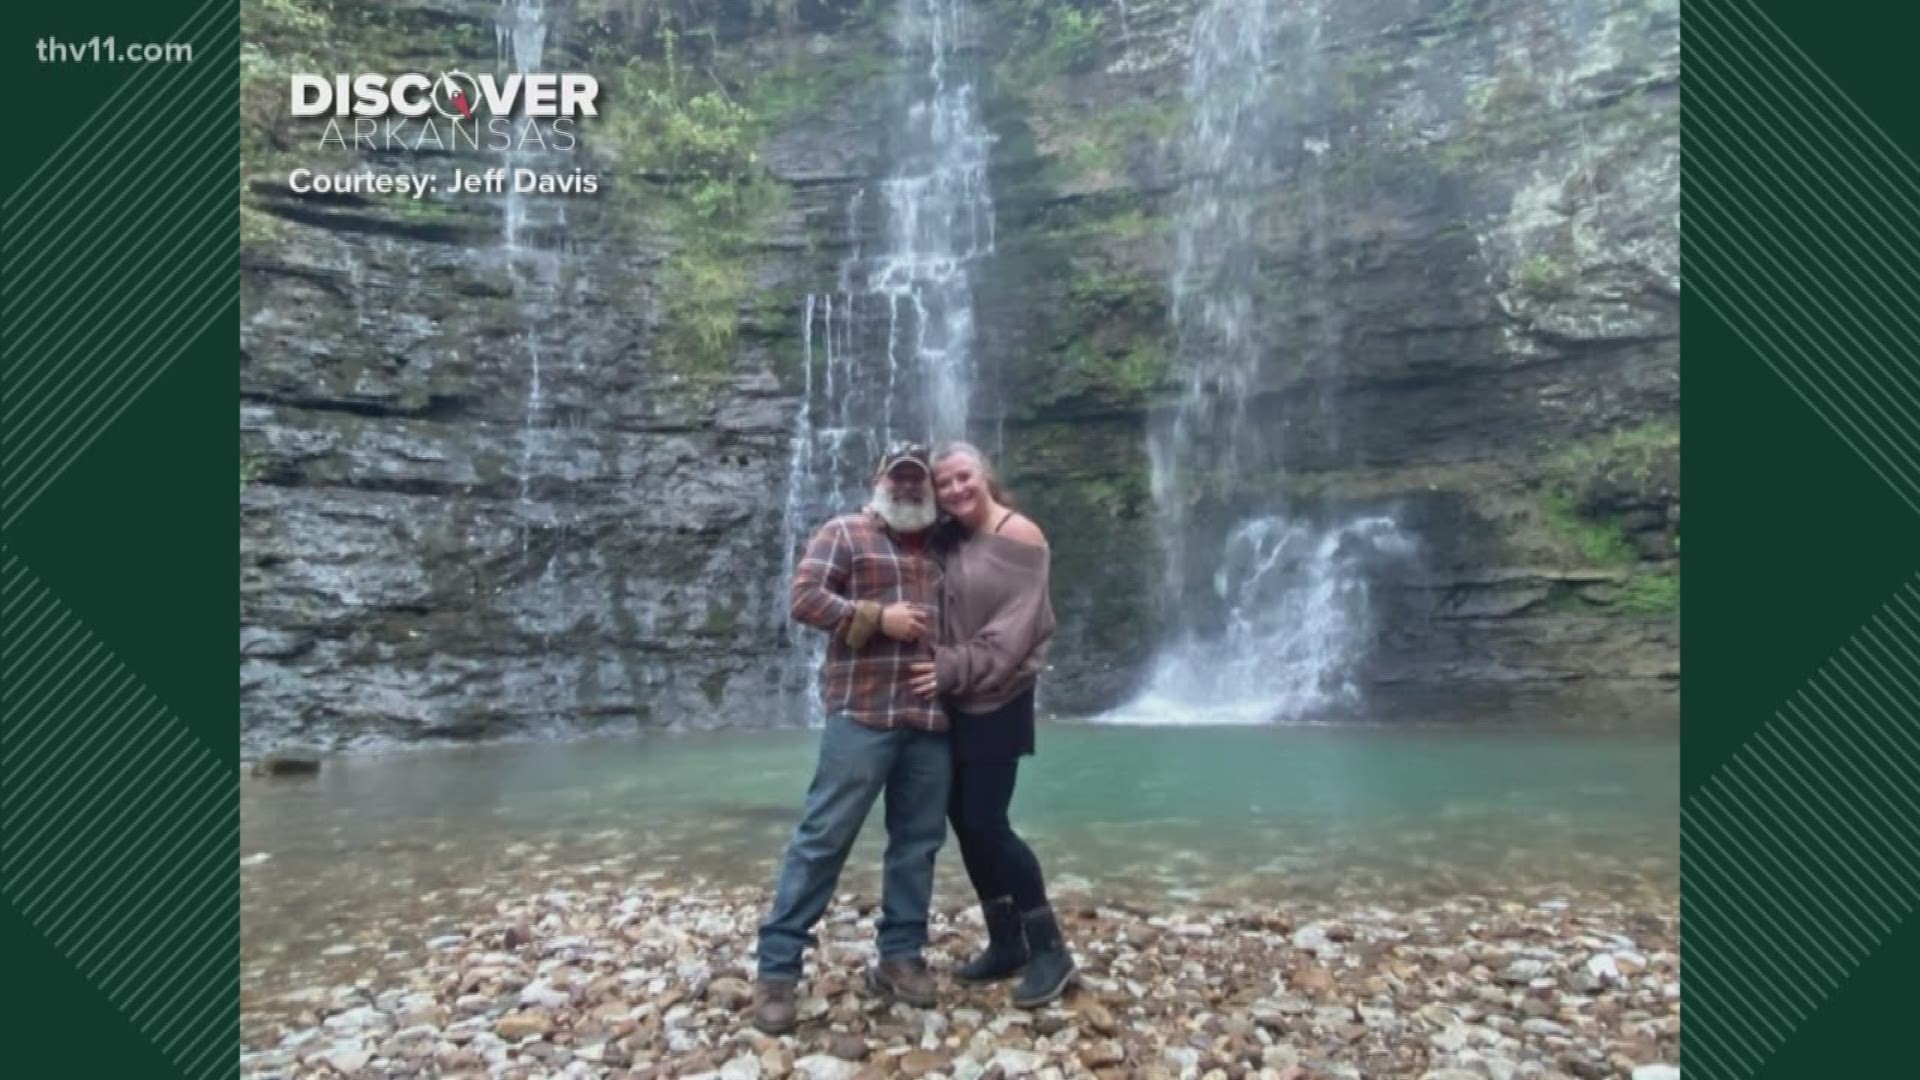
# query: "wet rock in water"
292, 761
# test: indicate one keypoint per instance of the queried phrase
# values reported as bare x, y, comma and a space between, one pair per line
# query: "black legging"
999, 863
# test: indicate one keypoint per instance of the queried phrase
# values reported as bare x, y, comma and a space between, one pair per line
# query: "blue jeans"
856, 764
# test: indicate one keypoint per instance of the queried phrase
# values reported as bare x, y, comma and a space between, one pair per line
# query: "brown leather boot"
775, 1010
906, 979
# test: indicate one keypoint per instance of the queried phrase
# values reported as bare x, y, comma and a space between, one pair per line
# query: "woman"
996, 620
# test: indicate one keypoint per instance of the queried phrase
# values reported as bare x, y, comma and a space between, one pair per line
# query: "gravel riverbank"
650, 981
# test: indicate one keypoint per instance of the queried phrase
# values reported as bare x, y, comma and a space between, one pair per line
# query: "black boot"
1006, 945
1050, 968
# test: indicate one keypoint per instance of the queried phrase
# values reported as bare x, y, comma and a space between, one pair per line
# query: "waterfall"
530, 251
889, 352
520, 34
1274, 630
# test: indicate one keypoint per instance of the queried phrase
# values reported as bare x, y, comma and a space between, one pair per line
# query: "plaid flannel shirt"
855, 557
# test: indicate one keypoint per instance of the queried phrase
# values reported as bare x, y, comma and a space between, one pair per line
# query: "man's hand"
903, 622
925, 677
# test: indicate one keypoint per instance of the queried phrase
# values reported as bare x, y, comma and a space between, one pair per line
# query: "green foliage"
704, 16
674, 128
1140, 120
799, 84
251, 466
1134, 224
704, 291
1113, 374
723, 618
1509, 95
257, 227
1635, 452
1141, 369
1636, 456
714, 685
306, 17
688, 149
1080, 225
1542, 274
1599, 543
1128, 358
1650, 594
1097, 293
1377, 165
1050, 38
279, 37
692, 150
1364, 77
1452, 157
1097, 142
1085, 157
1119, 496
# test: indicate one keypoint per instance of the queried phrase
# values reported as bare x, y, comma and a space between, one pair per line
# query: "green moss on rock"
1598, 543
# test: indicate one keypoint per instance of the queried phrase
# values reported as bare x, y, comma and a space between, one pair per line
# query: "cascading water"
889, 353
534, 261
1274, 631
520, 30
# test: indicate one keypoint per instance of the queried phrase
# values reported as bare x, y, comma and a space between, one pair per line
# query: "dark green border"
119, 754
1798, 882
1801, 699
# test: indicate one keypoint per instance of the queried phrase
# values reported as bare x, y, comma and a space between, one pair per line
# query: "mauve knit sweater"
996, 620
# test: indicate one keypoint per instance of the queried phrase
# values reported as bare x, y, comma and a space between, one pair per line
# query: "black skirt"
1004, 734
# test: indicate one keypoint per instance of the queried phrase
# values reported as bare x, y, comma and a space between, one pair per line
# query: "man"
868, 580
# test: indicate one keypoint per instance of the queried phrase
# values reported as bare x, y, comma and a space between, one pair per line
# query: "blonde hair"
967, 449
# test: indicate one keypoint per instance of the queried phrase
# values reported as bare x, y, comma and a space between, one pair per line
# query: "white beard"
900, 516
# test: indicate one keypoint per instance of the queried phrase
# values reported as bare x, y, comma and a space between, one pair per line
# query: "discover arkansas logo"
447, 111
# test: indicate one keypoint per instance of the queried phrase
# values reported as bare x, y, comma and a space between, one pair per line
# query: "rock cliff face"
513, 469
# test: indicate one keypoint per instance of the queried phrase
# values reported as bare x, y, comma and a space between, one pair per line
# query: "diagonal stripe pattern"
118, 830
110, 277
1802, 224
1801, 853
